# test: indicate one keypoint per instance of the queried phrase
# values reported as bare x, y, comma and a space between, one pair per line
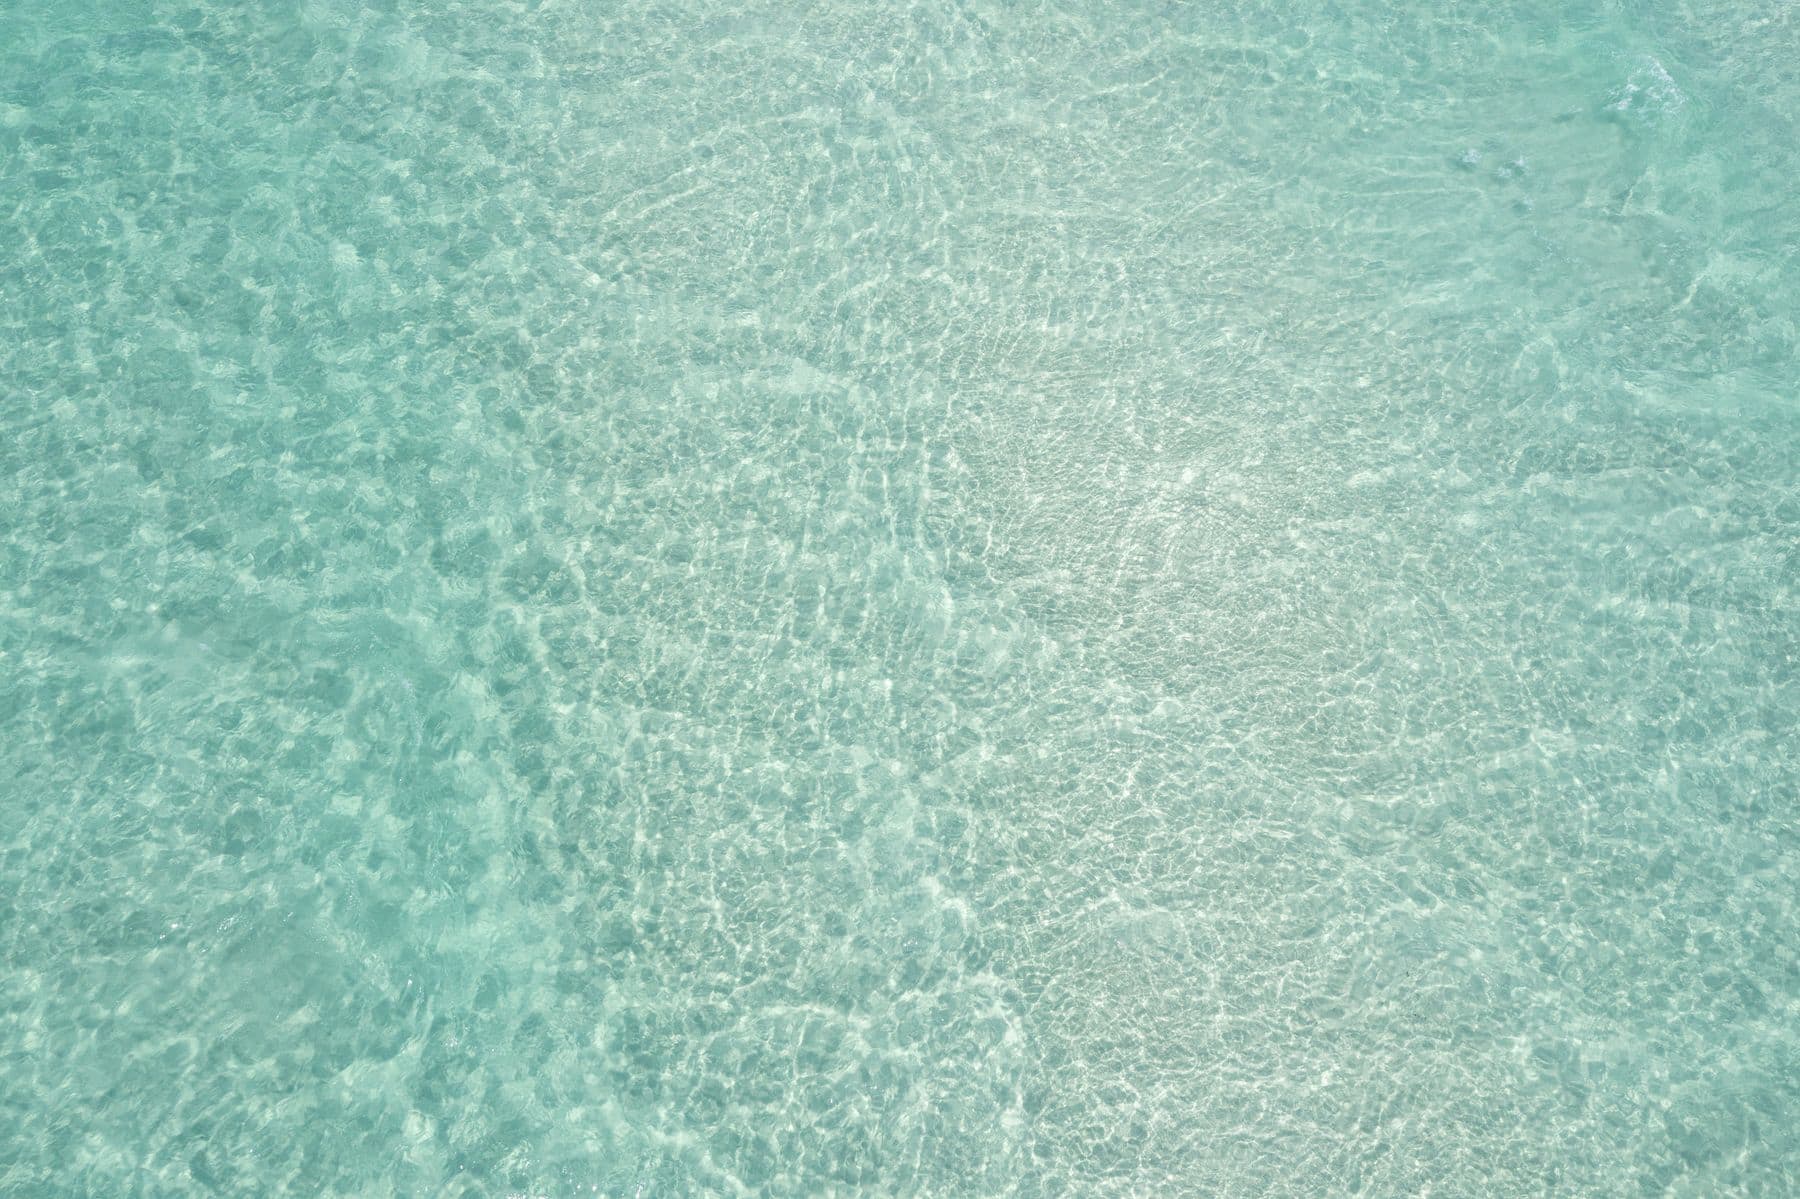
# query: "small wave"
1649, 91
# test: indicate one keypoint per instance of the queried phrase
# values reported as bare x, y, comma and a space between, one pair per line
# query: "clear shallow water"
1127, 599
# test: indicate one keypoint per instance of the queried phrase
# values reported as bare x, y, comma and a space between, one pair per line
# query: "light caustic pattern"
965, 599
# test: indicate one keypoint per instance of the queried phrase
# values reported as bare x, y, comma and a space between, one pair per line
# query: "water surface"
964, 599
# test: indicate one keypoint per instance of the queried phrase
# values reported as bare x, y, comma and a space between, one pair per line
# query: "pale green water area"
664, 599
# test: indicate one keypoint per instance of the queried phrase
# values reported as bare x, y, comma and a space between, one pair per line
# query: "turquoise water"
965, 599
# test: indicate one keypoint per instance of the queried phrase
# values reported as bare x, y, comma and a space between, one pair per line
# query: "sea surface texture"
942, 599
